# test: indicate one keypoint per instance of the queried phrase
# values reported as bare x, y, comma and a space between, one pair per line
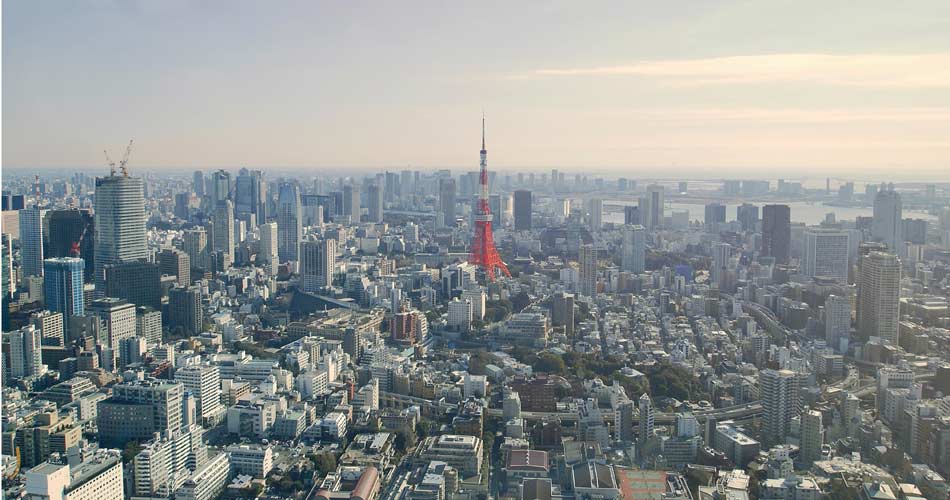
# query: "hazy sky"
826, 86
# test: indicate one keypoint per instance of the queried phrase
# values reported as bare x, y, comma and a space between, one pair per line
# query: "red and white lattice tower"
483, 252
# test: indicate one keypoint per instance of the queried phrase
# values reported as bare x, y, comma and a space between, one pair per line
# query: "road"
737, 412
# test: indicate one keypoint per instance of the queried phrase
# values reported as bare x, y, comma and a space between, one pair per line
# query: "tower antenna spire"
483, 131
483, 252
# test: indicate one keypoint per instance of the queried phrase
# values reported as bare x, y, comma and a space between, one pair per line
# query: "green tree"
423, 427
131, 449
479, 360
324, 461
549, 362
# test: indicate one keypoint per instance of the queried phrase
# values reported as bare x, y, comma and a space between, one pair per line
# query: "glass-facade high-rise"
119, 223
62, 286
289, 229
31, 241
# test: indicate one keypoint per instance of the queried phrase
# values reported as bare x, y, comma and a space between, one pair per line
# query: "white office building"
837, 320
460, 315
203, 381
253, 460
267, 255
826, 253
208, 481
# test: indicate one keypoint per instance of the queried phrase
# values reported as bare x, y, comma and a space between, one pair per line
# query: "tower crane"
122, 163
109, 162
125, 160
75, 248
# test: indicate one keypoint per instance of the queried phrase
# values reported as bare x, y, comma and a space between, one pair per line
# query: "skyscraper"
148, 324
267, 256
837, 320
813, 436
312, 207
779, 392
195, 244
522, 201
652, 207
596, 214
68, 228
7, 279
747, 215
633, 250
51, 327
826, 254
776, 232
198, 183
31, 241
175, 263
720, 263
249, 189
647, 417
715, 215
117, 318
62, 286
316, 264
203, 381
119, 223
289, 229
888, 214
184, 310
220, 187
631, 215
447, 202
562, 312
879, 286
351, 202
138, 282
374, 204
588, 271
224, 231
26, 355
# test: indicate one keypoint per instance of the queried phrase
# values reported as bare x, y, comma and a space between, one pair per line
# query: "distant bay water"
801, 211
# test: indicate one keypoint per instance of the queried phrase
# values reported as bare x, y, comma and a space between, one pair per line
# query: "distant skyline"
703, 89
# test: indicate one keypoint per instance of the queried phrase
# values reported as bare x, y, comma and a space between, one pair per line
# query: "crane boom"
125, 160
109, 162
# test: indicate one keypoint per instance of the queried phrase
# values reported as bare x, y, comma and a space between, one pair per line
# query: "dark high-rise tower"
484, 254
776, 232
446, 202
71, 235
522, 209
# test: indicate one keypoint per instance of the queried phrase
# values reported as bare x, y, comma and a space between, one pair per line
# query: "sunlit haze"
704, 89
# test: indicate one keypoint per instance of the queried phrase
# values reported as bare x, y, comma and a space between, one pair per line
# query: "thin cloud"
785, 115
856, 70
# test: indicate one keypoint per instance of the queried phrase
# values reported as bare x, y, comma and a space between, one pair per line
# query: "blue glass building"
62, 285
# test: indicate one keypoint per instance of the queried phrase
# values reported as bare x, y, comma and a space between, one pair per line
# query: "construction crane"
125, 160
122, 163
75, 249
8, 479
109, 162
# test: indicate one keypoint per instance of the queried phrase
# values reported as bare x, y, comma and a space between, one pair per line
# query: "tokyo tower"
484, 253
